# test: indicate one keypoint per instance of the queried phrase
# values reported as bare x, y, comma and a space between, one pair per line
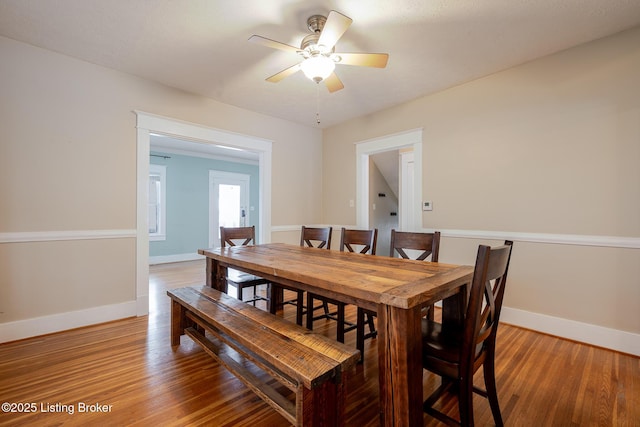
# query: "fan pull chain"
318, 103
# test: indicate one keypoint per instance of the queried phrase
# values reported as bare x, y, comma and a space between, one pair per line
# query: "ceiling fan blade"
333, 83
334, 28
377, 60
273, 44
284, 73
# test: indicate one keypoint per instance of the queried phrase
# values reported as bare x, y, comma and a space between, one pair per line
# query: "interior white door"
228, 202
407, 192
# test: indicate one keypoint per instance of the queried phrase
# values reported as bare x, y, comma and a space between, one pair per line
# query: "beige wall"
549, 147
68, 163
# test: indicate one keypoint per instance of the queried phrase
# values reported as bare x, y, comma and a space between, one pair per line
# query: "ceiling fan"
318, 51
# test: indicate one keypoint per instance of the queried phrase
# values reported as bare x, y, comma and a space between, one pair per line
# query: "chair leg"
445, 386
492, 392
372, 326
309, 311
360, 333
325, 306
364, 318
430, 313
465, 401
340, 327
299, 307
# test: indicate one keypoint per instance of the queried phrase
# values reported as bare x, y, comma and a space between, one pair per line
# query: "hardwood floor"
126, 373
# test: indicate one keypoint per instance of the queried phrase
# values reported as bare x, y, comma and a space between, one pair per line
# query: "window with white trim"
157, 211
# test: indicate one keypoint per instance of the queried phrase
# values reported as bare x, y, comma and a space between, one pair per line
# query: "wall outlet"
427, 206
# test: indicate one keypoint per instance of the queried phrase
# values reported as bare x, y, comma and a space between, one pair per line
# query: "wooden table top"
365, 280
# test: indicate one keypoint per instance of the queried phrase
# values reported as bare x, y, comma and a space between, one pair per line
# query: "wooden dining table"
396, 288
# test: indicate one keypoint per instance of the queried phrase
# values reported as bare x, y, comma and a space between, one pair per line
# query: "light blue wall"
187, 226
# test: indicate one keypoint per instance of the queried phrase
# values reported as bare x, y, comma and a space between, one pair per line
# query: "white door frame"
410, 139
215, 177
151, 123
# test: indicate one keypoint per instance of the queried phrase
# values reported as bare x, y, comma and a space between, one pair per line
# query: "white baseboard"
142, 305
20, 329
165, 259
622, 341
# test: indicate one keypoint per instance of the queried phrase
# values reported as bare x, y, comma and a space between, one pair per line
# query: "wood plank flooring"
126, 373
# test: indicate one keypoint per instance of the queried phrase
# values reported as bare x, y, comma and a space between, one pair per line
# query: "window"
157, 202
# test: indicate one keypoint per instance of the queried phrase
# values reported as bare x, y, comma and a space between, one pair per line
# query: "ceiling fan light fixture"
318, 52
318, 68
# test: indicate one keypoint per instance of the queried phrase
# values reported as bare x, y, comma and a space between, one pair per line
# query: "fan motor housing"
309, 40
316, 23
309, 44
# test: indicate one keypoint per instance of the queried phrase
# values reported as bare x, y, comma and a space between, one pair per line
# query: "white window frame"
161, 234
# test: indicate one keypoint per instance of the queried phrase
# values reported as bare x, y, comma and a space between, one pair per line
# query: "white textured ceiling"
201, 45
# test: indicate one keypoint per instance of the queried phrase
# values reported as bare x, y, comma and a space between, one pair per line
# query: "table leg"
210, 275
276, 297
216, 275
454, 307
221, 278
400, 366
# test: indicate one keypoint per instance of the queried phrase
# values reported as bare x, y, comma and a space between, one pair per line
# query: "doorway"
410, 194
228, 202
384, 191
150, 123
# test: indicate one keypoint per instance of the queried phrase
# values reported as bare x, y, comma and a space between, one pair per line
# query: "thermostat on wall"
427, 206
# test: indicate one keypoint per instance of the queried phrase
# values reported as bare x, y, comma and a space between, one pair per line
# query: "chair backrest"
365, 238
485, 302
233, 236
316, 237
428, 243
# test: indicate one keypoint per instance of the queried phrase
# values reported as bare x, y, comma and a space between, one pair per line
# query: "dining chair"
418, 246
361, 241
428, 243
401, 242
312, 237
242, 236
456, 353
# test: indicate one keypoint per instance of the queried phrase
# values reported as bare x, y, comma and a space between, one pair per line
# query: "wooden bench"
313, 367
